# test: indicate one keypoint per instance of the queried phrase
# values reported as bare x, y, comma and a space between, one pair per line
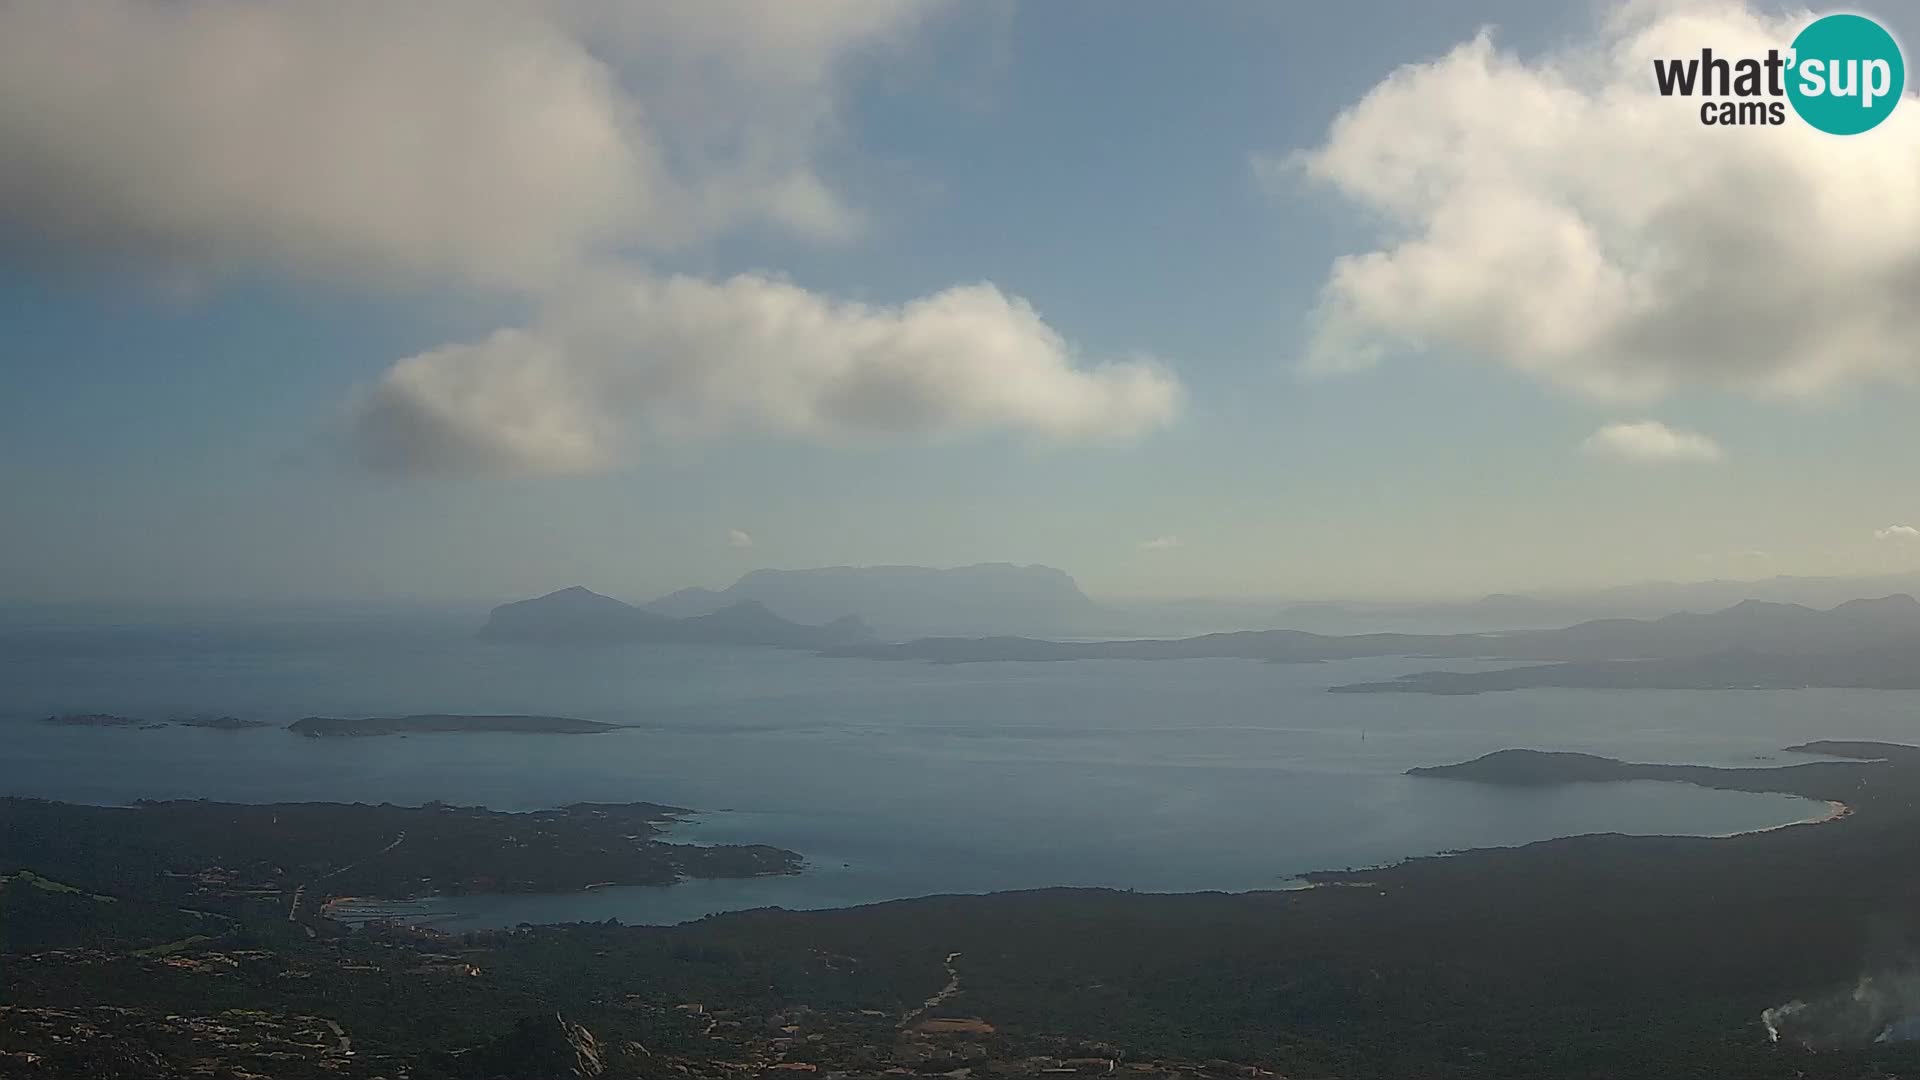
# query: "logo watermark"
1843, 74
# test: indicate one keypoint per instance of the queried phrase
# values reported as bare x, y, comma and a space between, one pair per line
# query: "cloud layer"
498, 142
546, 148
683, 357
1650, 442
1555, 216
1897, 532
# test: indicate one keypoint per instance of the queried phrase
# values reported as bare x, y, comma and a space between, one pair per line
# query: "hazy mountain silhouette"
1883, 667
904, 600
579, 615
1890, 623
1493, 612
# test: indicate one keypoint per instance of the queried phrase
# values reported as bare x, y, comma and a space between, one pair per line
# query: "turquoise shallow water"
894, 779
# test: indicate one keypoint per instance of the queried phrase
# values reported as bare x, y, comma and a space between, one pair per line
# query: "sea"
893, 779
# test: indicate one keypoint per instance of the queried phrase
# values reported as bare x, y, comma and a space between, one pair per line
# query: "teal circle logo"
1847, 74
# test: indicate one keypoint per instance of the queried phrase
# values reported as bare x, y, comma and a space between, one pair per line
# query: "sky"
474, 299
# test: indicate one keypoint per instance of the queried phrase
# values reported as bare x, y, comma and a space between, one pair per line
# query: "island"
1826, 780
323, 727
100, 720
109, 720
221, 723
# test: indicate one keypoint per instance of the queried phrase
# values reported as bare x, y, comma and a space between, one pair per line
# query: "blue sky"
182, 392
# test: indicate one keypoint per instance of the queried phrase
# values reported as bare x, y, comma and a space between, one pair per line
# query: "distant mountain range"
1890, 625
902, 601
1867, 644
1496, 611
1891, 667
579, 615
1753, 643
1658, 597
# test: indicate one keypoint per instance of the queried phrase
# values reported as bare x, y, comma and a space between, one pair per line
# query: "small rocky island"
318, 727
103, 720
109, 720
220, 723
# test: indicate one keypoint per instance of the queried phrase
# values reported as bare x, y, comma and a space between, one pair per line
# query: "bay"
893, 779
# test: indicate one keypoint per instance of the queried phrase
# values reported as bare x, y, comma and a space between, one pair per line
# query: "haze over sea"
893, 779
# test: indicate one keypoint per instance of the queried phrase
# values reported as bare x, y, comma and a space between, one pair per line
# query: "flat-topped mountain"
579, 615
985, 598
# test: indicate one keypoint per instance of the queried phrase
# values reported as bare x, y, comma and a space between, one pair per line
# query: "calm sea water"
894, 779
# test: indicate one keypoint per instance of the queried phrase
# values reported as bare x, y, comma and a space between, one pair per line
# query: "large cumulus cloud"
495, 142
634, 360
1553, 215
555, 151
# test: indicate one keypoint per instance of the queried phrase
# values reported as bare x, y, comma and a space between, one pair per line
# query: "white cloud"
613, 365
499, 142
542, 147
1161, 543
1897, 532
739, 538
1552, 214
1650, 441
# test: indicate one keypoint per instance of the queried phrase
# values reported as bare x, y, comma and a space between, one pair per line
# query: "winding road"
939, 999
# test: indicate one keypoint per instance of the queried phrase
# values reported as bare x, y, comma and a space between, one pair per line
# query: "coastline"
1659, 932
830, 883
1836, 811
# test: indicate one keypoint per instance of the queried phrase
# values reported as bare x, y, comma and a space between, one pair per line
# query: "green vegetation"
28, 877
233, 858
1597, 956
